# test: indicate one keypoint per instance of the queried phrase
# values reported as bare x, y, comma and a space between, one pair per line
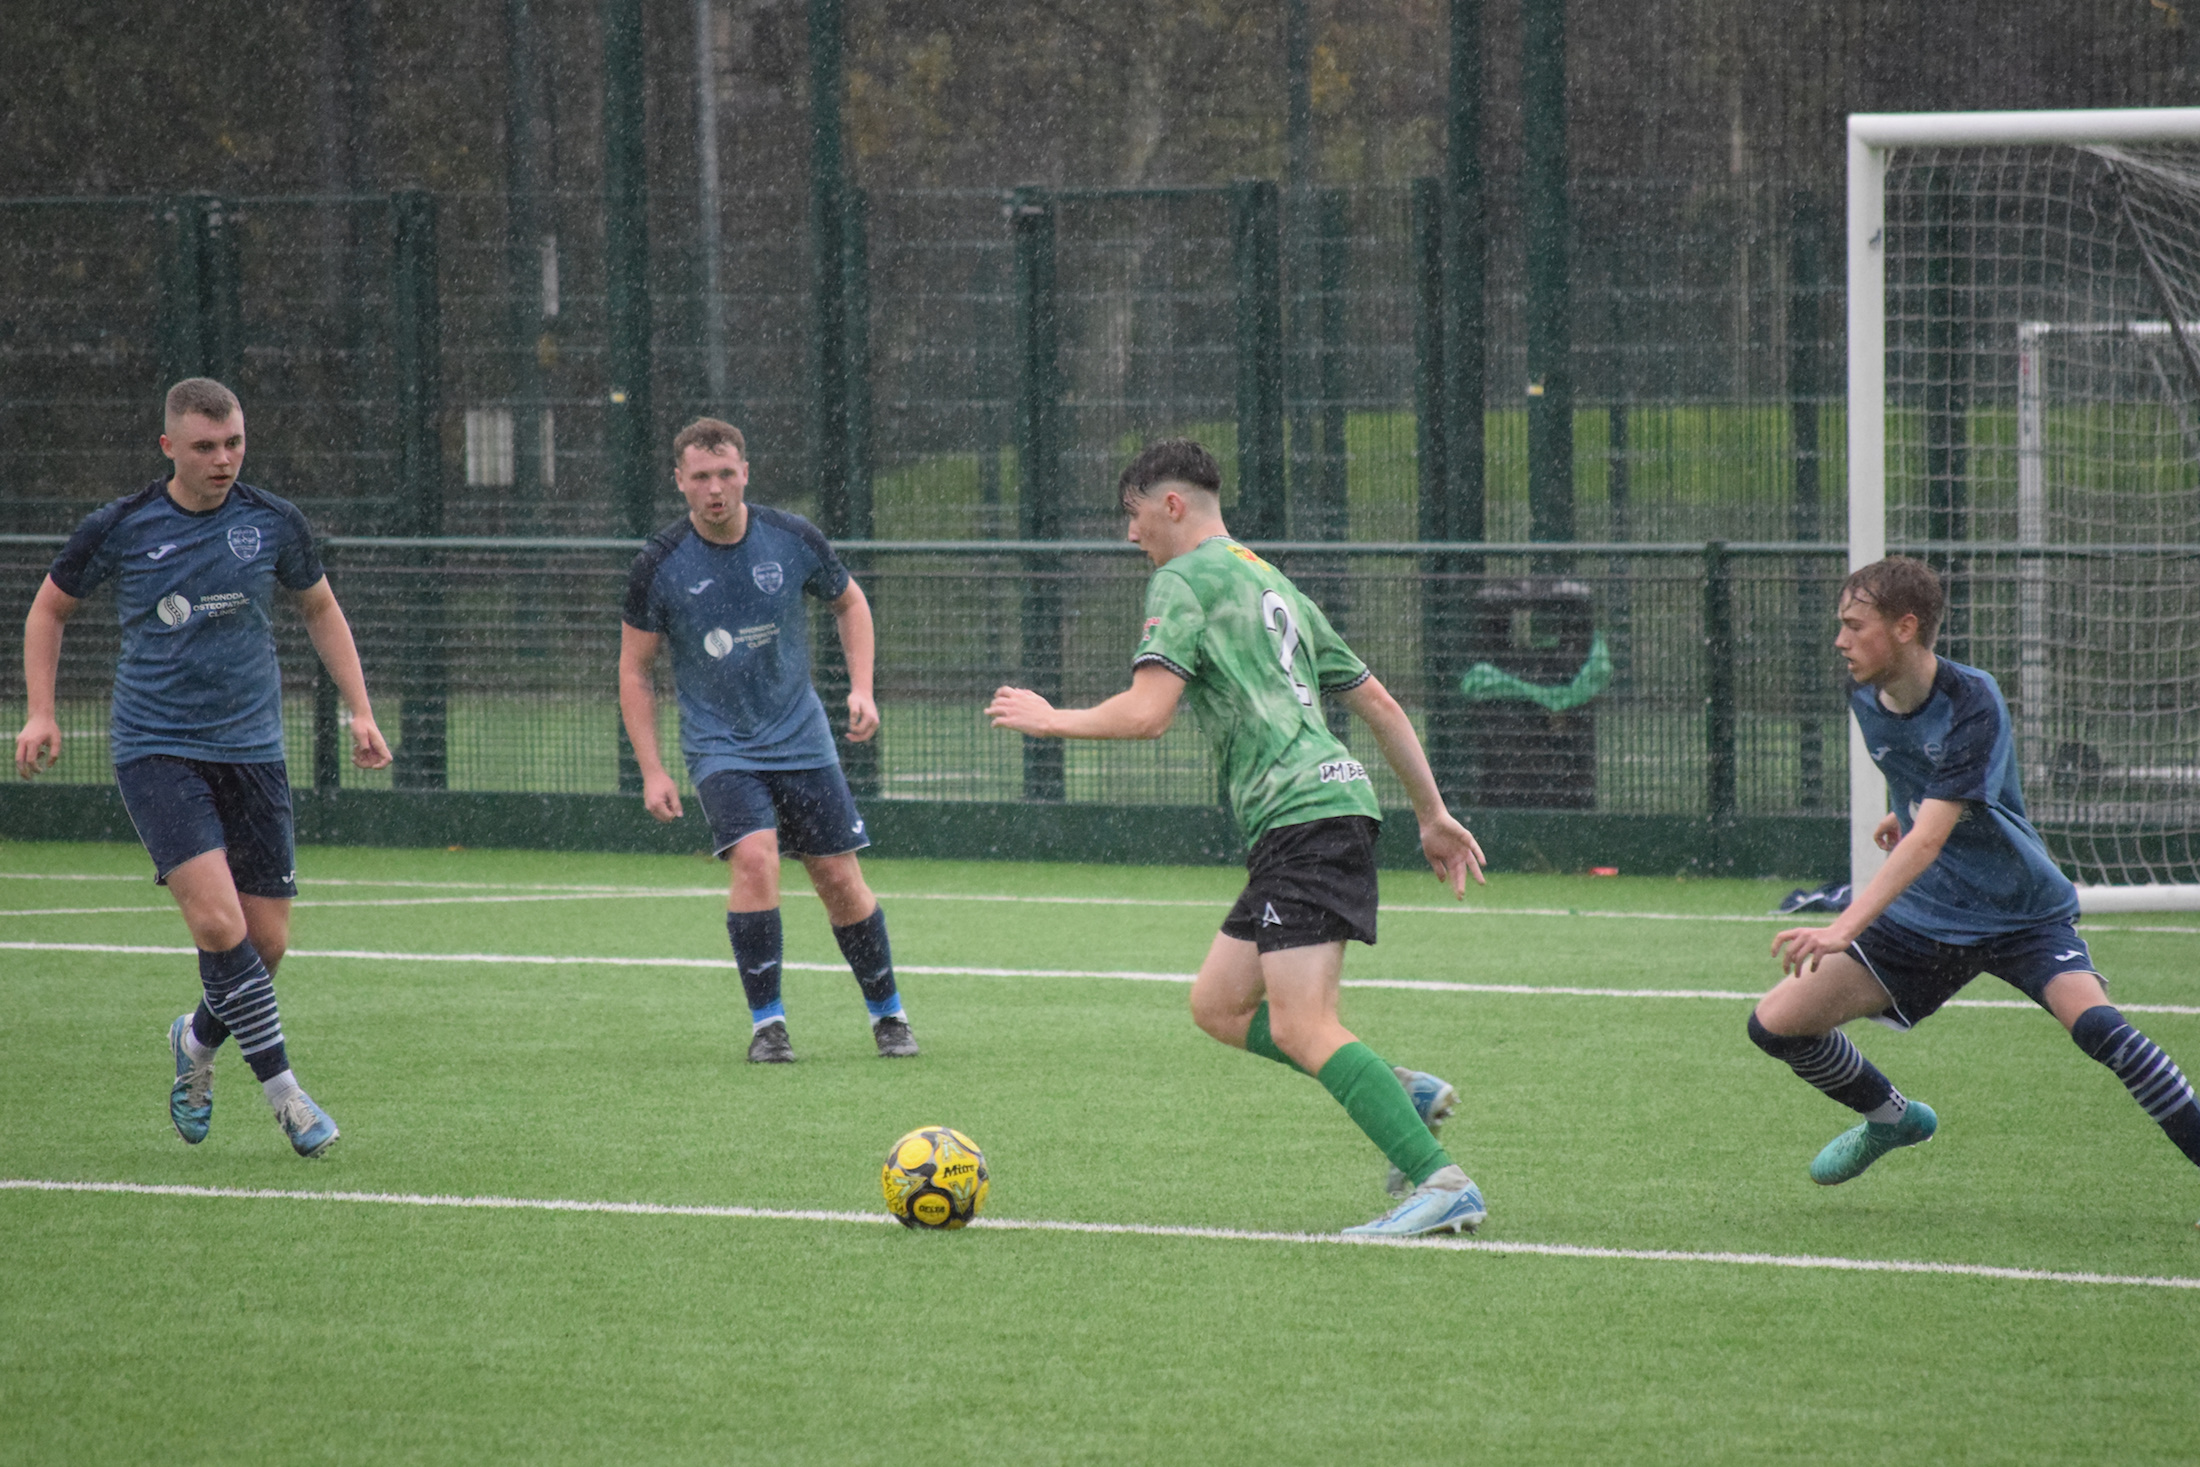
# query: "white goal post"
1872, 138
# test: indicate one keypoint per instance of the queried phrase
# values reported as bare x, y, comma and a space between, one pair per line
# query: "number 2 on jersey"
1274, 610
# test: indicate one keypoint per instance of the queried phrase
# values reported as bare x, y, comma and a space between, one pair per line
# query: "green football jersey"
1256, 655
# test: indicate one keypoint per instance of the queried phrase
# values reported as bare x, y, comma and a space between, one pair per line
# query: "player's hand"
1800, 948
37, 746
660, 796
1452, 852
862, 717
1020, 710
369, 750
1887, 834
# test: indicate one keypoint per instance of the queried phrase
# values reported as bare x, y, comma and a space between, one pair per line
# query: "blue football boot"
1847, 1154
307, 1125
191, 1098
1448, 1202
1434, 1100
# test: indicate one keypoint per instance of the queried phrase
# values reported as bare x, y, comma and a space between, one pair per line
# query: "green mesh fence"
494, 668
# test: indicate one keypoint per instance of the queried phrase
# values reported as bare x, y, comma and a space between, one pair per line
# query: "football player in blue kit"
1968, 888
196, 726
725, 587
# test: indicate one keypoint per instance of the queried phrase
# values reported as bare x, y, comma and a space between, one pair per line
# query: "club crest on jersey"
244, 541
768, 577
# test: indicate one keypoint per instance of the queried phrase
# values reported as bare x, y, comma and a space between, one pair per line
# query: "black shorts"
811, 809
1920, 974
1308, 884
186, 807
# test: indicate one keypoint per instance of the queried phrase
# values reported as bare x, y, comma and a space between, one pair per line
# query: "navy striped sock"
242, 995
1836, 1066
2151, 1076
759, 945
864, 945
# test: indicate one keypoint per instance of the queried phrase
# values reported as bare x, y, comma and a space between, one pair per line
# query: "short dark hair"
1172, 460
201, 395
1900, 586
710, 435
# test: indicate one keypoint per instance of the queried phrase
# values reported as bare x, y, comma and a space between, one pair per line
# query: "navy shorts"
811, 809
1308, 884
186, 807
1921, 974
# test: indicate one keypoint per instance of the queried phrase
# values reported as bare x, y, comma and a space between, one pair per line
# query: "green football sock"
1259, 1041
1378, 1104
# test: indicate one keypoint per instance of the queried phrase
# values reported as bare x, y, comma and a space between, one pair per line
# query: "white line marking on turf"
1140, 1230
552, 891
1131, 975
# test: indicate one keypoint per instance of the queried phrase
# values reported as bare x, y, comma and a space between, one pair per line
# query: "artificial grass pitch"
196, 1328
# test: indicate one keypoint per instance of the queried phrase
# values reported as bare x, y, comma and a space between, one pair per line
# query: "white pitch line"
1129, 975
1140, 1230
550, 891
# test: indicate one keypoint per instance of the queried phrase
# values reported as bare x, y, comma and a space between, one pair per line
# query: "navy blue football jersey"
197, 678
1994, 875
740, 638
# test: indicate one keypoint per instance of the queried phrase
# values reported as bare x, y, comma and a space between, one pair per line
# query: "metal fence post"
180, 352
985, 291
1332, 248
1430, 438
1549, 227
328, 744
1445, 731
828, 277
627, 418
855, 275
1255, 226
221, 295
202, 308
1806, 228
1039, 470
523, 246
860, 762
1466, 265
416, 331
1720, 749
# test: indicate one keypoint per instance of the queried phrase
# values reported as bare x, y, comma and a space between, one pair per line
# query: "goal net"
2037, 413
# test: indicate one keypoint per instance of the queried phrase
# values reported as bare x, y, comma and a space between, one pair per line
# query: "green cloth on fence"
1484, 682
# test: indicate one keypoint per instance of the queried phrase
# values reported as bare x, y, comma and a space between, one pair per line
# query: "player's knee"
1216, 1017
755, 858
2095, 1030
841, 887
1779, 1046
1294, 1032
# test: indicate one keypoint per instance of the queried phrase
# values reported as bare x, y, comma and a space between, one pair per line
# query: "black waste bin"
1540, 629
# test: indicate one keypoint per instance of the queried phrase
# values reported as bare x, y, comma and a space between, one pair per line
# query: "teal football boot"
191, 1098
1848, 1154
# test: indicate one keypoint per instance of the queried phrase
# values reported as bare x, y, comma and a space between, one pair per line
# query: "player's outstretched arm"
1144, 710
1800, 948
638, 710
1451, 848
858, 646
330, 633
39, 744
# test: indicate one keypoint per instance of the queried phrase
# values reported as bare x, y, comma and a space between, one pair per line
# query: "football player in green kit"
1227, 631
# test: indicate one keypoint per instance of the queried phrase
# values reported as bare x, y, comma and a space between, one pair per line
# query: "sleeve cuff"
1155, 659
